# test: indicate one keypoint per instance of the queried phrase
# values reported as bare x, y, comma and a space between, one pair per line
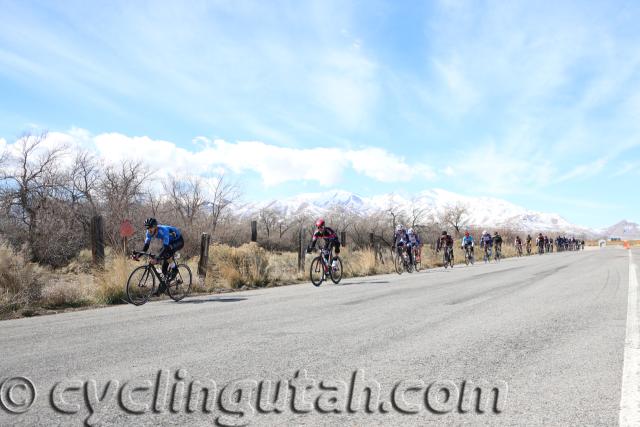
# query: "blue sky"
534, 102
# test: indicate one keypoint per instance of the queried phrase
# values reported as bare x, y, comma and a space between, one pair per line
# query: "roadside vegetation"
51, 194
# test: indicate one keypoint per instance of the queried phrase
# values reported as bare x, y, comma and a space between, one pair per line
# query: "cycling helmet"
495, 233
320, 223
150, 222
399, 227
484, 232
410, 231
444, 232
466, 234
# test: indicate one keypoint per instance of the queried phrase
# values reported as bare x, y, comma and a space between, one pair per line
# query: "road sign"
126, 229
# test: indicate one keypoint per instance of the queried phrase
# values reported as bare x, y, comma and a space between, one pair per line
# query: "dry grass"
247, 265
62, 291
110, 283
21, 282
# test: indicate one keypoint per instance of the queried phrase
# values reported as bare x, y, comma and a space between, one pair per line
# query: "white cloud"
383, 166
584, 170
274, 164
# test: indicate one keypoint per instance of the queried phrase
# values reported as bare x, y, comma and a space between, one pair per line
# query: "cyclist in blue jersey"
172, 242
400, 240
413, 241
467, 241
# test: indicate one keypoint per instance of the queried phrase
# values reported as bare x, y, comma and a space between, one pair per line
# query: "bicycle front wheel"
141, 284
336, 272
316, 273
398, 263
180, 286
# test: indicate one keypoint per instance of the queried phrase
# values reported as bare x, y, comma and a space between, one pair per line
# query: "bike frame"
157, 273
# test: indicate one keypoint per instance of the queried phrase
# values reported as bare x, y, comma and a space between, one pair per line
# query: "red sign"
126, 229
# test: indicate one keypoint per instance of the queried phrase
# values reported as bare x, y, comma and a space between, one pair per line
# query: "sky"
537, 103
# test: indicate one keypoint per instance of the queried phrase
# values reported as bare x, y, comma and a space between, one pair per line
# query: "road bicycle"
498, 253
417, 257
323, 266
468, 255
447, 257
141, 284
487, 253
401, 261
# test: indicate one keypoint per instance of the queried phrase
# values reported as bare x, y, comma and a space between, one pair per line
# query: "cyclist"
497, 241
540, 243
400, 239
330, 240
529, 239
172, 242
445, 242
467, 243
486, 243
413, 241
518, 244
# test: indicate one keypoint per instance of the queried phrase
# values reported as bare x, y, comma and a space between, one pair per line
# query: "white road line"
630, 396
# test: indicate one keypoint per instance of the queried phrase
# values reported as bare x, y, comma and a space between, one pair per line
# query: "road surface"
546, 332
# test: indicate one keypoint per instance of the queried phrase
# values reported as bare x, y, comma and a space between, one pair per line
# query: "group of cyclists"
406, 244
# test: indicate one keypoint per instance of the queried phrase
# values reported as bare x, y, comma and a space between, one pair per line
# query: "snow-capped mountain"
481, 211
624, 230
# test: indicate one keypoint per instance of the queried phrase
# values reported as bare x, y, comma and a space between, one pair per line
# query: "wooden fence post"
301, 250
373, 247
97, 241
254, 231
205, 240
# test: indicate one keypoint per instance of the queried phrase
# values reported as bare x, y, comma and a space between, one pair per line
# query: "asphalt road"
551, 327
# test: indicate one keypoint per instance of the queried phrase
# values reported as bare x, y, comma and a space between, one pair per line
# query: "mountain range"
487, 212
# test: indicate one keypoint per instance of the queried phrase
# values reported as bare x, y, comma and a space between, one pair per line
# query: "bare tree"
268, 219
122, 188
83, 186
455, 216
186, 196
223, 195
29, 181
417, 214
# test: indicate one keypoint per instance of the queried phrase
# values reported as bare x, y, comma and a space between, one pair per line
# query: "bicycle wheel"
417, 262
336, 274
451, 258
316, 272
141, 284
408, 265
180, 286
398, 263
445, 259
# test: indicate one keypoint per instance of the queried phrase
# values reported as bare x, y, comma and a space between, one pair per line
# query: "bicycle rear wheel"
141, 284
316, 272
180, 286
417, 261
336, 274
